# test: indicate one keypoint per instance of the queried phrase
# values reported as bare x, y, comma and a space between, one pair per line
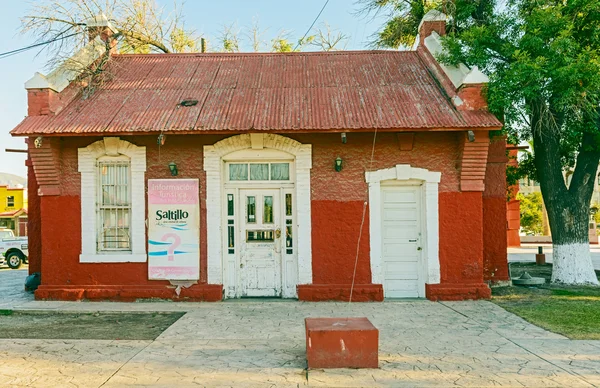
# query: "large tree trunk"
568, 208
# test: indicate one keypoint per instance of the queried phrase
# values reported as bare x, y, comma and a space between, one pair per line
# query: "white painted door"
260, 256
401, 251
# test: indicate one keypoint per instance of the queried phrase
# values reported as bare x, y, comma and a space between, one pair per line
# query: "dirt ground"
98, 326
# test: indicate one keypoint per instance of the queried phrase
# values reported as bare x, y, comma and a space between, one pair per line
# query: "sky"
207, 17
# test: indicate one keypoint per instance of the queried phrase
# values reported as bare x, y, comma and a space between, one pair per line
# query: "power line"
312, 25
18, 51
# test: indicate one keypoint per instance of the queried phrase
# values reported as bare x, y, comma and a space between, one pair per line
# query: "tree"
543, 58
531, 213
142, 25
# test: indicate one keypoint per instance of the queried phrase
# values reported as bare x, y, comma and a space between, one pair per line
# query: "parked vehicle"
13, 250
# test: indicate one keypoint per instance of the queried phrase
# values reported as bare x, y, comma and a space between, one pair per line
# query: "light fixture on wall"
471, 136
173, 168
161, 139
339, 164
344, 139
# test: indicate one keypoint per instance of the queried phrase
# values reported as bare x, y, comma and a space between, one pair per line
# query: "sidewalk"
527, 252
252, 343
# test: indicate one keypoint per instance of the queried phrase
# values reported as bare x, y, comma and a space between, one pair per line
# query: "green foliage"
538, 53
531, 213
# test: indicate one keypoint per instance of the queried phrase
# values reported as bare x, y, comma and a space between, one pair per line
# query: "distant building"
13, 209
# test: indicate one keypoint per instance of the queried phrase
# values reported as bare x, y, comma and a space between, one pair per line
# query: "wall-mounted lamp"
471, 136
38, 142
173, 168
344, 138
339, 164
161, 139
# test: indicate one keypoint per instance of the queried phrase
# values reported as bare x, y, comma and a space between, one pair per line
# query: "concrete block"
341, 343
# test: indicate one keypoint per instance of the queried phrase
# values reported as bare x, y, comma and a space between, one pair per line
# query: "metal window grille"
114, 206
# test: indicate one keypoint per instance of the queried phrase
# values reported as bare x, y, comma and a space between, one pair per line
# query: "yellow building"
13, 209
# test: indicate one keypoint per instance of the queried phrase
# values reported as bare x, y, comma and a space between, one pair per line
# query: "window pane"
114, 233
260, 235
230, 237
230, 204
251, 206
288, 204
259, 172
280, 171
268, 210
114, 206
238, 172
289, 240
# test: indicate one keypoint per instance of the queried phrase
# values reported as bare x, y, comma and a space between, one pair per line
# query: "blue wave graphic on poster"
165, 253
178, 228
152, 242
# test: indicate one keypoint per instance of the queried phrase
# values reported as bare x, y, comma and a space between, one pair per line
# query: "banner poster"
173, 229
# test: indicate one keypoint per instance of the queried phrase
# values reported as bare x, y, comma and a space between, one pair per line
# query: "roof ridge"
249, 54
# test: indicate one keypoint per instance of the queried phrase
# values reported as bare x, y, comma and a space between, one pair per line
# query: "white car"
13, 250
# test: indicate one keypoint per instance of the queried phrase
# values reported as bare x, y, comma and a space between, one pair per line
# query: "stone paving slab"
12, 288
63, 363
257, 343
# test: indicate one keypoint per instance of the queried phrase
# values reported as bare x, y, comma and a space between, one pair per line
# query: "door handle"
278, 233
241, 265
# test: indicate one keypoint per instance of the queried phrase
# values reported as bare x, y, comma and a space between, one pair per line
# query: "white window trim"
430, 182
87, 158
214, 165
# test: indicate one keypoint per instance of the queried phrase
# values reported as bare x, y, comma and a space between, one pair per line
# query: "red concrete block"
341, 343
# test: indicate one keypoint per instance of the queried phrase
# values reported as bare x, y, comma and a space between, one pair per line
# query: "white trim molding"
429, 181
214, 164
87, 161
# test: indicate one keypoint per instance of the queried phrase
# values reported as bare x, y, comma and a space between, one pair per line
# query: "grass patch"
96, 326
571, 311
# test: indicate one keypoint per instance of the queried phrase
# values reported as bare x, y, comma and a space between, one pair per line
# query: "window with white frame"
113, 208
10, 201
114, 205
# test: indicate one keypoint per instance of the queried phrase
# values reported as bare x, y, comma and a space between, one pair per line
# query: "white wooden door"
260, 256
401, 251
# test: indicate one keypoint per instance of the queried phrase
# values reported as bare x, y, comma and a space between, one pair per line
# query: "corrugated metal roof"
360, 90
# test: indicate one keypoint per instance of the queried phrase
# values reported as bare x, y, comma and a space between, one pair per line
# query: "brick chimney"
464, 85
432, 21
45, 96
102, 27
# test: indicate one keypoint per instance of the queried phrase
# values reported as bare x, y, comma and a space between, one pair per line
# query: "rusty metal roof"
303, 92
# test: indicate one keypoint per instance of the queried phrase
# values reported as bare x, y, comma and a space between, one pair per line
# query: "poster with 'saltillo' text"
173, 229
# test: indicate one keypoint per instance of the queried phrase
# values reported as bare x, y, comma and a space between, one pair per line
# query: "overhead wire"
22, 49
312, 25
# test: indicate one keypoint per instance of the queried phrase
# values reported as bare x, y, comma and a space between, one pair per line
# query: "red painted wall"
34, 223
337, 206
495, 221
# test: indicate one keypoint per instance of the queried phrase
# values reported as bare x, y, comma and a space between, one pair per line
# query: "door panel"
401, 242
260, 256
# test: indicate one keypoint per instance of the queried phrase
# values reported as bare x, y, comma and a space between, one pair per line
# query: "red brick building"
293, 153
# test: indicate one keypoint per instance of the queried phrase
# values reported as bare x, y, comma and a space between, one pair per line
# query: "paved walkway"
261, 343
12, 288
526, 253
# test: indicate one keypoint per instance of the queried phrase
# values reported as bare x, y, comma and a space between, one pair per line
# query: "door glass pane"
238, 172
280, 171
288, 204
268, 210
230, 204
259, 172
260, 236
289, 238
251, 206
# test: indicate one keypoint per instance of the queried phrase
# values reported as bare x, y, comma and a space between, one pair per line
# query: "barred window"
10, 201
114, 206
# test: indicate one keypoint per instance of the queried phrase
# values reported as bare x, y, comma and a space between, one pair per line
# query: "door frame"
254, 147
404, 174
